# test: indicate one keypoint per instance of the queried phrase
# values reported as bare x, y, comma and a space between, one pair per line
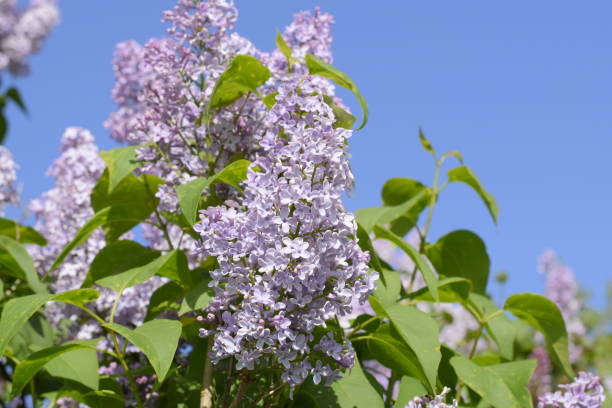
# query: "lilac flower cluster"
437, 401
162, 89
60, 213
23, 31
585, 392
8, 177
264, 313
310, 33
541, 379
288, 259
562, 288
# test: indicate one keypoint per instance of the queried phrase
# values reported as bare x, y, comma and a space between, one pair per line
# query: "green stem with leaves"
126, 368
120, 354
432, 203
481, 325
390, 387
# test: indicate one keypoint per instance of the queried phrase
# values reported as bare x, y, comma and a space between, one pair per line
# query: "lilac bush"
209, 261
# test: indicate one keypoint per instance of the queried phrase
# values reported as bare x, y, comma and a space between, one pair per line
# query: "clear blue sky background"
522, 89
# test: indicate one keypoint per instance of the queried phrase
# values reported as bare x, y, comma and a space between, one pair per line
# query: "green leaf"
409, 389
462, 253
117, 257
353, 390
3, 127
120, 162
82, 236
373, 216
426, 143
189, 194
176, 268
516, 376
164, 298
131, 202
117, 219
245, 74
419, 260
446, 373
270, 100
421, 333
543, 315
365, 243
465, 175
388, 288
77, 297
138, 275
34, 335
79, 366
453, 290
344, 119
487, 359
157, 339
399, 190
501, 328
80, 370
22, 262
317, 66
14, 95
284, 48
391, 351
197, 298
454, 154
103, 398
17, 311
21, 233
486, 382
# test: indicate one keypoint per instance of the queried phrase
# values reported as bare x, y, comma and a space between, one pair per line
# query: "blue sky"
522, 89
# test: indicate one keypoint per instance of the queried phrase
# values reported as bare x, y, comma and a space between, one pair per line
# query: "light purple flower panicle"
23, 31
286, 249
562, 288
8, 177
585, 392
288, 259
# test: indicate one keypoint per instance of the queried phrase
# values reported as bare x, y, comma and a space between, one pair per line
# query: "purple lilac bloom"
310, 33
162, 90
22, 32
585, 392
8, 177
287, 255
60, 213
541, 379
562, 288
163, 87
64, 209
438, 401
